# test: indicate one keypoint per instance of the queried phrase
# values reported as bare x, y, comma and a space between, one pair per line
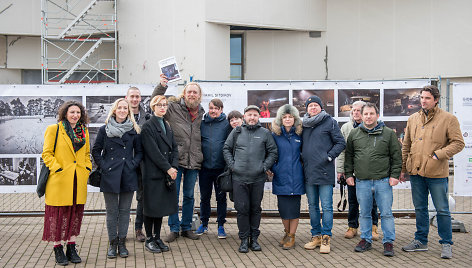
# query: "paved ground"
21, 246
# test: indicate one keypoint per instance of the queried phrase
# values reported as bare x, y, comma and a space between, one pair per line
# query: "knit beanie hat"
313, 98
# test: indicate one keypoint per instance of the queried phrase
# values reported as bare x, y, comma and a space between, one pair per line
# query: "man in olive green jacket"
184, 115
432, 136
373, 153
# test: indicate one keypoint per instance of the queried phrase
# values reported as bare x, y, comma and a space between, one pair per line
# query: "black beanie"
313, 98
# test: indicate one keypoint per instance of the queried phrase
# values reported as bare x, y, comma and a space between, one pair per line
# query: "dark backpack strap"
235, 137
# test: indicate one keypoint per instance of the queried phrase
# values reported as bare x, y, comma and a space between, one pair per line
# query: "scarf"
161, 123
193, 113
115, 129
76, 135
314, 120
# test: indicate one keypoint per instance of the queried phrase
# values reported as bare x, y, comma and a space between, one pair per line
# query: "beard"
192, 104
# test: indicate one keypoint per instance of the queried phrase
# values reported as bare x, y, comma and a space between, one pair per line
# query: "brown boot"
350, 233
140, 236
314, 243
290, 242
375, 234
325, 247
284, 239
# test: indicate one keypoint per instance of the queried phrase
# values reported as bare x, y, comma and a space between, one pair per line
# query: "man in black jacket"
255, 151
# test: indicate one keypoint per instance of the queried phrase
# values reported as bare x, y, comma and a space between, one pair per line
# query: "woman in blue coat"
117, 152
288, 183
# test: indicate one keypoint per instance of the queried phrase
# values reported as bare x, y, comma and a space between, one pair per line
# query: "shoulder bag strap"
55, 141
235, 137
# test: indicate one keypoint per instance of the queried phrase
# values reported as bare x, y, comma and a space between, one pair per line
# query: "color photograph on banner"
398, 127
401, 102
18, 171
346, 97
300, 96
269, 101
24, 119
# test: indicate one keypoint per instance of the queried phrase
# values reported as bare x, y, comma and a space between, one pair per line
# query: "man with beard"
250, 157
185, 116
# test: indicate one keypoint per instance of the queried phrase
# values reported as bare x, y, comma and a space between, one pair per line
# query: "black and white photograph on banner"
98, 107
269, 101
346, 97
398, 127
18, 171
170, 69
145, 101
300, 96
401, 102
24, 119
93, 131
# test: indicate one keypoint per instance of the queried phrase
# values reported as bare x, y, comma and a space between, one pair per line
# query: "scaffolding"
78, 41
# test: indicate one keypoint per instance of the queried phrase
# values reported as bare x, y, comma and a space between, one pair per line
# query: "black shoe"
190, 234
388, 249
72, 255
122, 250
61, 258
254, 245
363, 246
161, 245
244, 247
151, 246
171, 237
112, 249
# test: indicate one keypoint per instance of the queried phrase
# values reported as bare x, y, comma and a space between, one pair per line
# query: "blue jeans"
420, 187
315, 194
189, 179
207, 180
381, 189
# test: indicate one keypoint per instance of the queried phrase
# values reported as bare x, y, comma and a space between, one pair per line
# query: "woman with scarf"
160, 163
117, 152
66, 152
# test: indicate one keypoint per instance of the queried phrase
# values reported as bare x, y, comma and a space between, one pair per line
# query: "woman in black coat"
159, 170
117, 152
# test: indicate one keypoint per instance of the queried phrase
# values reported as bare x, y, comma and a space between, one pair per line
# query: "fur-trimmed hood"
287, 109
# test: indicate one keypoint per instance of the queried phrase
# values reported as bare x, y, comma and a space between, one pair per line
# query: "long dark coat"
119, 160
160, 154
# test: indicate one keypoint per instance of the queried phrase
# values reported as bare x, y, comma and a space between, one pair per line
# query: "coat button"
111, 158
123, 158
109, 168
75, 162
124, 147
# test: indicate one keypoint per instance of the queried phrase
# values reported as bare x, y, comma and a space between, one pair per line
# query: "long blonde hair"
114, 106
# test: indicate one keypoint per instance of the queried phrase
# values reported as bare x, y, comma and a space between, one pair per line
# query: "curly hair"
62, 112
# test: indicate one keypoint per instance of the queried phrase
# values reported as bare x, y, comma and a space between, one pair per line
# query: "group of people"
159, 154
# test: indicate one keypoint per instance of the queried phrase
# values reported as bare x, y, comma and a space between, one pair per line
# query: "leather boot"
123, 251
375, 233
61, 258
244, 247
284, 239
112, 249
290, 242
254, 245
72, 255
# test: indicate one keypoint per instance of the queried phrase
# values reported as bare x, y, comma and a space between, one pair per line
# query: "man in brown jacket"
185, 116
432, 137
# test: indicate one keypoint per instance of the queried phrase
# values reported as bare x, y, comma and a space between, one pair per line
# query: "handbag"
44, 173
95, 177
225, 179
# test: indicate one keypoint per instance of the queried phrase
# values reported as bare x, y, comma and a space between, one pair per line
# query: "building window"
236, 57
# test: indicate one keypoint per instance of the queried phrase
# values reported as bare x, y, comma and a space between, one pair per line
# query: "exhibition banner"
26, 111
462, 106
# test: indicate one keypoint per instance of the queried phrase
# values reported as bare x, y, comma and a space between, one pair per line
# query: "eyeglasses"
161, 105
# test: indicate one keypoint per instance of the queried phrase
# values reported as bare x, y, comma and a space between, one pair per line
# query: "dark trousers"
207, 180
247, 202
138, 223
353, 216
153, 225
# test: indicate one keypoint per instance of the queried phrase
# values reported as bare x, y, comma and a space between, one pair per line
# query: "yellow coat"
60, 185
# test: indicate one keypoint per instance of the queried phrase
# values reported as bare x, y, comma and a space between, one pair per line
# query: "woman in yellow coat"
66, 188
